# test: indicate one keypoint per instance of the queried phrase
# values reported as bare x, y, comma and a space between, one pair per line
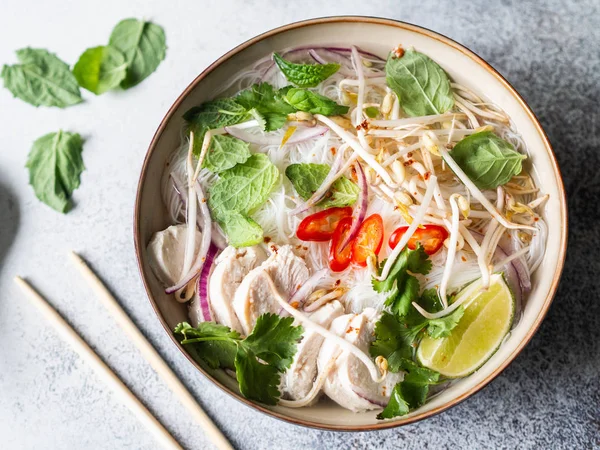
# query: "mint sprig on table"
258, 360
55, 166
40, 78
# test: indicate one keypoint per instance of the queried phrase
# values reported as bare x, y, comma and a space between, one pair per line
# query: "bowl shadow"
10, 216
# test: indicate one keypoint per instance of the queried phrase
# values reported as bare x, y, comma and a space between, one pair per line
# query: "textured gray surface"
548, 398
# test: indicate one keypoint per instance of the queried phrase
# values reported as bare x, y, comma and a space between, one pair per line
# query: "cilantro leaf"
308, 177
55, 166
305, 75
411, 392
403, 288
438, 328
258, 360
273, 339
257, 381
393, 340
304, 100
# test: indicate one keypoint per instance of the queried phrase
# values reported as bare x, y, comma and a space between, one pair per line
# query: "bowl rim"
430, 34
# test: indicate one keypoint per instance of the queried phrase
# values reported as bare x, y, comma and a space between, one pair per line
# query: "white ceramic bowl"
377, 36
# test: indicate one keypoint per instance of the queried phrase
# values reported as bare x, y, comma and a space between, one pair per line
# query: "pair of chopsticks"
109, 377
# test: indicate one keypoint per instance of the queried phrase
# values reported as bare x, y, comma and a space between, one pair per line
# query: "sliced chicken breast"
299, 378
350, 383
254, 296
166, 251
231, 267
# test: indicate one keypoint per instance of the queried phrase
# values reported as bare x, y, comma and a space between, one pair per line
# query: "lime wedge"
487, 319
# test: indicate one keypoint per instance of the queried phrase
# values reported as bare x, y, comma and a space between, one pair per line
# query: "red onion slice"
204, 245
361, 209
202, 283
300, 135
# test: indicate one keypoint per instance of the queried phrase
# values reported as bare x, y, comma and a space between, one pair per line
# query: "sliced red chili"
368, 240
431, 237
340, 258
320, 226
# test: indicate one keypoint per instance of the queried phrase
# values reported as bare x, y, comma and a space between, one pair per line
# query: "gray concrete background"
548, 398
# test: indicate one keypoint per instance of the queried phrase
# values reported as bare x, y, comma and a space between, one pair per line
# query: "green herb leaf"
308, 177
488, 160
422, 86
257, 381
393, 340
55, 166
241, 231
268, 104
41, 79
258, 360
244, 187
100, 69
402, 287
439, 328
225, 152
274, 339
144, 46
213, 343
304, 100
305, 75
372, 111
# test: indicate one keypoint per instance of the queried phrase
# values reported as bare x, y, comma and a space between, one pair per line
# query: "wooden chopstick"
152, 356
102, 370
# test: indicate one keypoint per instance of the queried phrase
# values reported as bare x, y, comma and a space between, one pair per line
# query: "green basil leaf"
144, 46
305, 75
55, 166
487, 160
41, 79
304, 100
243, 188
241, 231
100, 69
422, 86
225, 152
308, 177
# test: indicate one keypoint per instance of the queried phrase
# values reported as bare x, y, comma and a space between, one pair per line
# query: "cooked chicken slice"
299, 378
166, 251
254, 297
350, 383
231, 266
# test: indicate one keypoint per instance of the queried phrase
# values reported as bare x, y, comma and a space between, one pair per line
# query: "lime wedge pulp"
487, 319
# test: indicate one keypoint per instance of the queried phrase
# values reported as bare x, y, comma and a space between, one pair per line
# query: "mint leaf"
244, 187
308, 177
55, 166
100, 69
268, 104
488, 160
216, 114
258, 359
274, 339
305, 75
241, 231
41, 79
422, 86
144, 46
225, 152
304, 100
